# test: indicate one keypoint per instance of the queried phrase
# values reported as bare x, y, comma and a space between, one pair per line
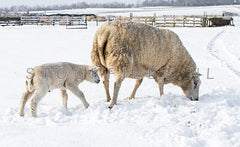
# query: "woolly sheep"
63, 76
135, 50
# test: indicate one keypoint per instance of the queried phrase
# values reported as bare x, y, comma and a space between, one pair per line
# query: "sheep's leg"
25, 97
160, 81
117, 85
137, 84
76, 91
106, 86
64, 97
38, 96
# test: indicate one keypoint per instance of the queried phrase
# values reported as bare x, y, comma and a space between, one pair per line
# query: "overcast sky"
8, 3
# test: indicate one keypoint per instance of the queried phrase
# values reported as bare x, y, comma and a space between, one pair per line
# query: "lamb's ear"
95, 69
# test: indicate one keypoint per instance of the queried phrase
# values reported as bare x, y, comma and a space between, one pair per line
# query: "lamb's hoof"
86, 106
108, 100
34, 115
21, 114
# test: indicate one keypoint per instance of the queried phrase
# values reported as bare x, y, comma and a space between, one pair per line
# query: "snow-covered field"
150, 11
145, 121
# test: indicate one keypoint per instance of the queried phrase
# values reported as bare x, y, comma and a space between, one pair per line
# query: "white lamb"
61, 76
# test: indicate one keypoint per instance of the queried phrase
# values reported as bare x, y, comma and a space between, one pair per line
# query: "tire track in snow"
217, 49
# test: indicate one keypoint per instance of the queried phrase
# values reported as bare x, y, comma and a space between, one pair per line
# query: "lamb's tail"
29, 82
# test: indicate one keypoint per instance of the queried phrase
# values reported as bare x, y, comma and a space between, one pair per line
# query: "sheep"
61, 75
134, 50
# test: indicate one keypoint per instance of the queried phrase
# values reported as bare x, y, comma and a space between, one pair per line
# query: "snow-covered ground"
145, 121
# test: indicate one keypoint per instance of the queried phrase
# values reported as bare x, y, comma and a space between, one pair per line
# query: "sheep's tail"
99, 45
29, 82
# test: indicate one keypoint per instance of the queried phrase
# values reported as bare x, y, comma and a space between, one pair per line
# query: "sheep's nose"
196, 99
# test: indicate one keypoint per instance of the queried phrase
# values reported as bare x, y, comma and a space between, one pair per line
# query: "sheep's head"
191, 87
93, 75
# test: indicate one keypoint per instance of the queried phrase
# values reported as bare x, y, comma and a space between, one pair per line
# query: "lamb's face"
93, 76
191, 90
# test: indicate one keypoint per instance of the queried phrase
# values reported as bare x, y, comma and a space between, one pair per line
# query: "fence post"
154, 20
86, 22
67, 21
194, 21
21, 22
53, 21
131, 15
183, 21
204, 20
165, 21
97, 20
174, 21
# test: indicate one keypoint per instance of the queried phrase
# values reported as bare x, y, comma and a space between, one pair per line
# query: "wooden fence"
54, 20
170, 21
80, 21
10, 21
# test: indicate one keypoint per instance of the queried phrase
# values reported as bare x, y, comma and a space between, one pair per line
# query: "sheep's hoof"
129, 98
108, 99
110, 107
21, 114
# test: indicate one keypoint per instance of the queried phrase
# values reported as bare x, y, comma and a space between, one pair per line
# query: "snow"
4, 3
150, 11
144, 121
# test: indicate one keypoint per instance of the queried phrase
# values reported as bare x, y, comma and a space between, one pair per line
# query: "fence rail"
54, 20
157, 21
170, 21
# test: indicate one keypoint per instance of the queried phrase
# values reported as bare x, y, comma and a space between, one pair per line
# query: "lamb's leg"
64, 97
137, 84
160, 81
117, 85
106, 86
161, 89
25, 97
75, 90
38, 96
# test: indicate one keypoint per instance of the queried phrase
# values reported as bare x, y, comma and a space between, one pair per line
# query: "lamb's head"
191, 86
92, 75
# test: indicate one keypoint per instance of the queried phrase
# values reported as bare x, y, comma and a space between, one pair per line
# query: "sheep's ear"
195, 74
